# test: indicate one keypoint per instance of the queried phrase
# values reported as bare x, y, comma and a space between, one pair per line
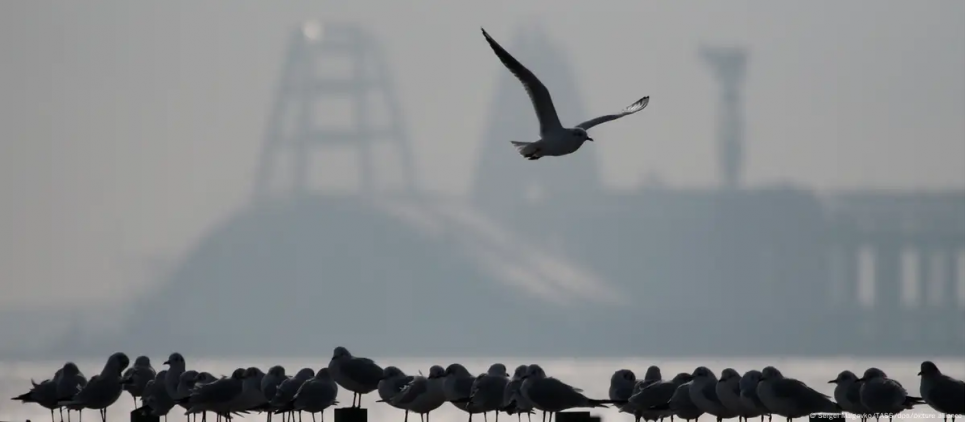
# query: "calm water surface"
593, 376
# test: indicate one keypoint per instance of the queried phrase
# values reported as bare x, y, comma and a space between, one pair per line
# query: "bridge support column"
887, 285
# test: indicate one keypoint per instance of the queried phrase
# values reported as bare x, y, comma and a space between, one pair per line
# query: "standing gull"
317, 394
651, 378
71, 381
513, 400
652, 401
703, 393
187, 382
623, 383
355, 374
748, 386
393, 381
44, 394
251, 397
156, 396
285, 395
682, 406
883, 395
269, 386
217, 396
103, 389
176, 367
555, 140
137, 376
553, 396
729, 393
183, 384
457, 387
942, 392
791, 398
487, 390
847, 393
422, 394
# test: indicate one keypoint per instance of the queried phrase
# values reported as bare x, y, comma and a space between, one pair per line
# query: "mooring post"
142, 415
351, 414
582, 416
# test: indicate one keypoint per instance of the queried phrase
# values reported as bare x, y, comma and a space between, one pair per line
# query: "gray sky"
128, 128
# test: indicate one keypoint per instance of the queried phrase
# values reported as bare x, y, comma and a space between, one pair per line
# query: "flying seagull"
555, 140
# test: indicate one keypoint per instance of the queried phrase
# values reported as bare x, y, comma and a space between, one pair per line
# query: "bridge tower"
728, 65
335, 95
504, 180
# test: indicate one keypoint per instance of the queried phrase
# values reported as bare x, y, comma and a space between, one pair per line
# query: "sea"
591, 375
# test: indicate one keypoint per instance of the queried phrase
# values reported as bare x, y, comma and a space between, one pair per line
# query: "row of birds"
687, 395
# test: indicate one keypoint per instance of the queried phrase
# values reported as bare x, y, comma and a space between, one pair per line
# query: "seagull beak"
833, 382
166, 362
919, 372
589, 139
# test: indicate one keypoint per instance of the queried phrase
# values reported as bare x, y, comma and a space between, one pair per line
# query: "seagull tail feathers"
25, 397
912, 401
604, 403
526, 149
664, 406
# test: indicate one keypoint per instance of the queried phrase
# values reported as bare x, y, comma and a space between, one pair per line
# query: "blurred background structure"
539, 260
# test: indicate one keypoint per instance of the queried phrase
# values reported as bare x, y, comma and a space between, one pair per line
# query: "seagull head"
436, 371
843, 377
872, 373
703, 372
534, 372
580, 133
771, 373
390, 372
728, 374
928, 368
174, 358
341, 353
623, 375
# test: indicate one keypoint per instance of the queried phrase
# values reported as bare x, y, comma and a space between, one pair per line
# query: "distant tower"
335, 93
728, 65
503, 178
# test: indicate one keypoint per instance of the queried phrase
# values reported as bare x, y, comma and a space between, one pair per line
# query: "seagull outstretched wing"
632, 108
538, 94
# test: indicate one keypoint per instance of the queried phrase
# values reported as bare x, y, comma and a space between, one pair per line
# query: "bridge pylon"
335, 96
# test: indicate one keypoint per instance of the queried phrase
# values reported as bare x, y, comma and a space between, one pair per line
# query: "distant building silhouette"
728, 65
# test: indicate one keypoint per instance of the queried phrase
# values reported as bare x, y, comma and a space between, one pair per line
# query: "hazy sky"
128, 128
